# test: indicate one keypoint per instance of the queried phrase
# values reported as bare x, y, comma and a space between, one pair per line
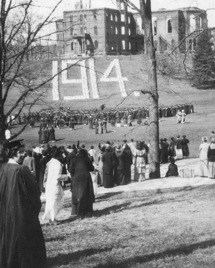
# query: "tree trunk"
154, 165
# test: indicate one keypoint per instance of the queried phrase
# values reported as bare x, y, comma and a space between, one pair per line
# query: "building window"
169, 26
116, 18
95, 30
155, 27
85, 29
123, 44
111, 17
192, 23
96, 44
194, 44
122, 17
81, 18
94, 15
72, 47
129, 19
200, 23
129, 31
123, 30
71, 31
85, 17
129, 45
81, 30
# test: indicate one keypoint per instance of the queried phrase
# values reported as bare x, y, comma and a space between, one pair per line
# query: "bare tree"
23, 83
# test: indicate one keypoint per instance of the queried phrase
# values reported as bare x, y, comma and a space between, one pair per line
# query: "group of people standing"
176, 148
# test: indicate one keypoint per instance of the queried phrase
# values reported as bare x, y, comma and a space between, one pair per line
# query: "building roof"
178, 9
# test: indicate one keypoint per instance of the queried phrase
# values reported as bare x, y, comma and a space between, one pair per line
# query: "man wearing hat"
21, 243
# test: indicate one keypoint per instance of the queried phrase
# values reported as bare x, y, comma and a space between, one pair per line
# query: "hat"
37, 150
204, 138
15, 144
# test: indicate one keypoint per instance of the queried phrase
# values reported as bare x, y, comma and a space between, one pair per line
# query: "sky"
208, 5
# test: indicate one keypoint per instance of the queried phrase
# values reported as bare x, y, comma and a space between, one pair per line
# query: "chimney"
118, 3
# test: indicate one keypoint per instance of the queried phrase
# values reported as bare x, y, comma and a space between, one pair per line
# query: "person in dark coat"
81, 186
128, 161
119, 167
172, 168
108, 167
21, 239
172, 145
51, 135
164, 150
185, 148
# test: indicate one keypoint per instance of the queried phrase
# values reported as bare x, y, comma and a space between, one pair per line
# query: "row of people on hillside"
64, 116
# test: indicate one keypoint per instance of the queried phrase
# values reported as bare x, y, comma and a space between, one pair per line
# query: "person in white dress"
54, 193
139, 164
203, 158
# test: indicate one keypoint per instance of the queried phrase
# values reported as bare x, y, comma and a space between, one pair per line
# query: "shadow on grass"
106, 196
57, 238
109, 210
182, 250
68, 258
59, 139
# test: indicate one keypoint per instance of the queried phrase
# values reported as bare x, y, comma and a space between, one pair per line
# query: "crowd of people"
47, 169
68, 117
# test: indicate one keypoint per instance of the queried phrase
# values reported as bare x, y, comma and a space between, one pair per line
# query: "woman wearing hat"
203, 157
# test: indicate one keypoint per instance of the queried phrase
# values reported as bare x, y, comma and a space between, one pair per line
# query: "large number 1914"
85, 94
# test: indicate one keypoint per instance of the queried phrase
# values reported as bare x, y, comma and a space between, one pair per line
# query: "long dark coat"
119, 168
81, 186
185, 148
21, 240
108, 167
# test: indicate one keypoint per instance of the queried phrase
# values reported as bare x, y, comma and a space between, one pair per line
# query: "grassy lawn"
138, 229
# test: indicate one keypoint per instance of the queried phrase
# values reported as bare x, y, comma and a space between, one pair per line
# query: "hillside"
111, 80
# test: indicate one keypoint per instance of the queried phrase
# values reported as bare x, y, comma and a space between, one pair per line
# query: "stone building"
100, 31
178, 29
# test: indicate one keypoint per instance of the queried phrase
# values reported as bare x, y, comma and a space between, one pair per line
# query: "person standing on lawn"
211, 160
185, 148
203, 158
82, 186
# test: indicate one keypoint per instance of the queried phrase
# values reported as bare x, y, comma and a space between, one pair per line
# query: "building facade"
97, 32
116, 31
178, 29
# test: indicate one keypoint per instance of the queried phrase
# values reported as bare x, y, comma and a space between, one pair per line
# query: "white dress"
53, 191
203, 160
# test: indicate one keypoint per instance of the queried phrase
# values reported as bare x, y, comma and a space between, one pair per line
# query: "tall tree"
22, 83
203, 73
154, 166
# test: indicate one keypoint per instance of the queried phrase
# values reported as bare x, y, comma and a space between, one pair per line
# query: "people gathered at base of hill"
69, 117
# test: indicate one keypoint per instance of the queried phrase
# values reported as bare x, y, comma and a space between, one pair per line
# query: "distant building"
177, 28
97, 31
108, 31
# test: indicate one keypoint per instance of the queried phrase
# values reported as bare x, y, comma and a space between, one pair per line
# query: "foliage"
203, 75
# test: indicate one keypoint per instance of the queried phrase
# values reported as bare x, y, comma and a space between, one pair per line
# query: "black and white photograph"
107, 133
